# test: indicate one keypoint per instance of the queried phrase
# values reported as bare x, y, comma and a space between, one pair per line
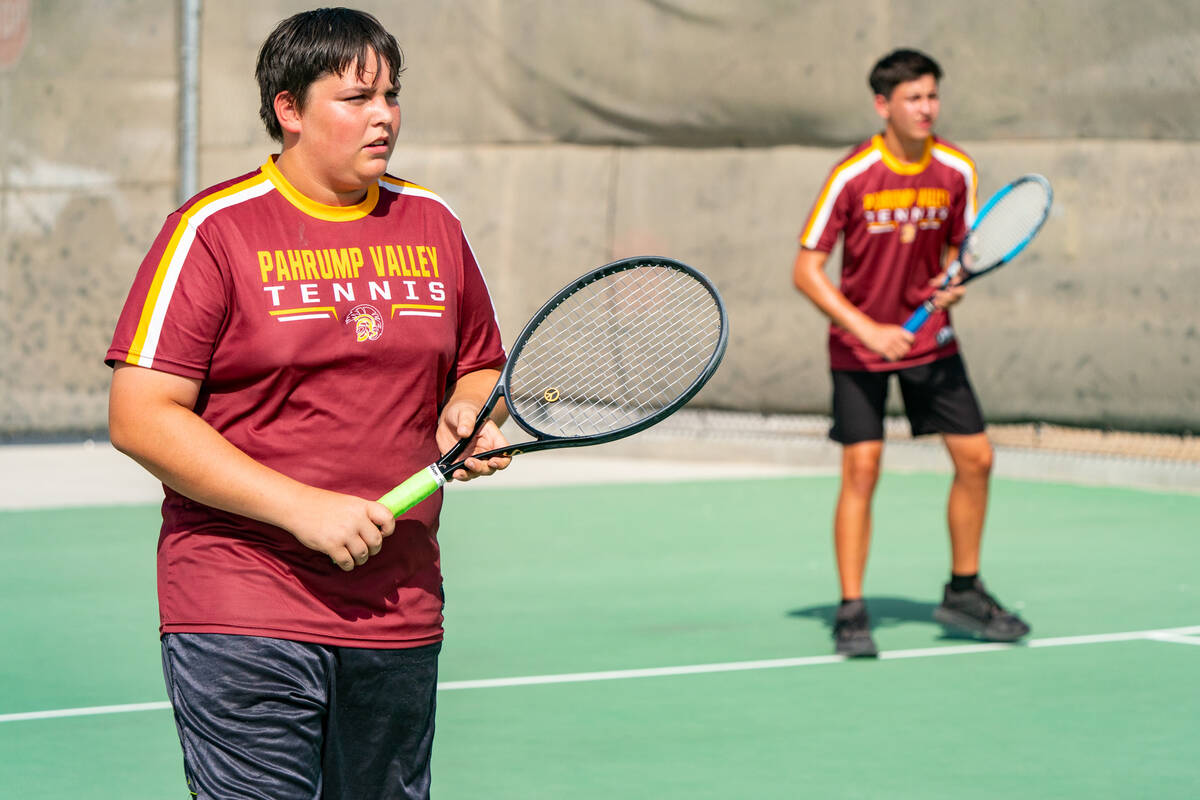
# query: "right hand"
346, 528
892, 342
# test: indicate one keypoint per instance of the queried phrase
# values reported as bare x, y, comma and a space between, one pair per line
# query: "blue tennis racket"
1004, 227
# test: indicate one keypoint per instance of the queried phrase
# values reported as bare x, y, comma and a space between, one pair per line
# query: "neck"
910, 151
308, 182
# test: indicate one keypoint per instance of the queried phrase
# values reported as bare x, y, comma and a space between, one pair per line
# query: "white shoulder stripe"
400, 187
175, 267
416, 191
967, 170
832, 190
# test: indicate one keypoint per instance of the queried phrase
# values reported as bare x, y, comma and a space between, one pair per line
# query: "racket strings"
615, 352
582, 354
611, 401
598, 341
1012, 221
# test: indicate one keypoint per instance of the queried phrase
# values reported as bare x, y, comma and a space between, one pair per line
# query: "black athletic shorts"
270, 718
938, 398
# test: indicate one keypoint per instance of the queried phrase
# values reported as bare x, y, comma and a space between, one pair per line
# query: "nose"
385, 118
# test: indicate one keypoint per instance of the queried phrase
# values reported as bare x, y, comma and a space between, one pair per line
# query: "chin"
374, 170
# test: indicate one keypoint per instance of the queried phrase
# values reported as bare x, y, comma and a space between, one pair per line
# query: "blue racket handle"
918, 317
914, 322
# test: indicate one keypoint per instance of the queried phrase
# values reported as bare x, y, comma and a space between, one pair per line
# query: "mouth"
380, 145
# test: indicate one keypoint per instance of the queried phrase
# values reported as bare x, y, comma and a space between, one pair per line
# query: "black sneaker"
977, 611
852, 631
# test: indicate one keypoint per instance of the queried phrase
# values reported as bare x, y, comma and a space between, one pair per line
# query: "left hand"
944, 298
457, 420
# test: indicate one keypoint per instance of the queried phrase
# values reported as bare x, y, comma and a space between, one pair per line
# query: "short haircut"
308, 46
901, 66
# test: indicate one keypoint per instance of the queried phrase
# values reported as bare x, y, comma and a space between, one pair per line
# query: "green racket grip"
413, 490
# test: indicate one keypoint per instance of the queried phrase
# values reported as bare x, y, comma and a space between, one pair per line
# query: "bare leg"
967, 507
852, 518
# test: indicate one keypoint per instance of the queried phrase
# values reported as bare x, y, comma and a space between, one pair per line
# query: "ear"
881, 107
287, 111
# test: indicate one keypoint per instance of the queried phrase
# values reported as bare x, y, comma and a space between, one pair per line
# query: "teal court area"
671, 640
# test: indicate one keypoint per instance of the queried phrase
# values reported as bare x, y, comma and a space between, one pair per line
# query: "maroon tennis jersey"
327, 339
896, 219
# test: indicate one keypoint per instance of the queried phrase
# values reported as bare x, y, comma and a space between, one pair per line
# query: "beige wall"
87, 158
568, 133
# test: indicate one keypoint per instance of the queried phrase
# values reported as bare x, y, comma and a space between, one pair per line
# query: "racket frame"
435, 475
926, 309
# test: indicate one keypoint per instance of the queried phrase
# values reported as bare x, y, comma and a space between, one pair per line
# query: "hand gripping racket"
616, 351
1005, 225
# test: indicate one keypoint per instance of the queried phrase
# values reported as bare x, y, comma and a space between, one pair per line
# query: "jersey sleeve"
964, 206
176, 307
828, 216
479, 343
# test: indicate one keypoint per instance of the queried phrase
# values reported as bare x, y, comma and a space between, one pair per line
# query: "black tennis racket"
616, 351
1004, 227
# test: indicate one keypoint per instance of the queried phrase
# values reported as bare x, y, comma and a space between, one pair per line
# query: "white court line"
85, 712
1174, 638
1172, 635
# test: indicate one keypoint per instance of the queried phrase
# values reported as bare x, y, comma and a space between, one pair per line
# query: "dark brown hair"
901, 66
308, 46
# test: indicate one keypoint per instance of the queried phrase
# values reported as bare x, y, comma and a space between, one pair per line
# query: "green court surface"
672, 641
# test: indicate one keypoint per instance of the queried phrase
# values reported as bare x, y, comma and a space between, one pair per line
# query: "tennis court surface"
671, 640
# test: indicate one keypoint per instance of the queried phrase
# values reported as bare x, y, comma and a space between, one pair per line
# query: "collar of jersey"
898, 166
320, 210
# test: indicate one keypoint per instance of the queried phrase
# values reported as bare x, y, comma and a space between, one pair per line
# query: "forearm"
474, 388
891, 342
165, 436
809, 276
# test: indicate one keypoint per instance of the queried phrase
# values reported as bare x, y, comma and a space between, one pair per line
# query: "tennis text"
296, 279
928, 206
398, 261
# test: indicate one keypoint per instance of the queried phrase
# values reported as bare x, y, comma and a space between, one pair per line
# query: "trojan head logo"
366, 321
550, 395
908, 233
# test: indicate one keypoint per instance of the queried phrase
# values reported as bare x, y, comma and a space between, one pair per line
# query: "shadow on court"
885, 612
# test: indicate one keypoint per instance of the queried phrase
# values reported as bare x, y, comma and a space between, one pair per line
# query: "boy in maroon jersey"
295, 339
902, 201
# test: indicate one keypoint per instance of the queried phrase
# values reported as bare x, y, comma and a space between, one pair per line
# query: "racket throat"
437, 475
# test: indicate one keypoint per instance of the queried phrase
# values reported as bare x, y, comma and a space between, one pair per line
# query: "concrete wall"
567, 133
87, 174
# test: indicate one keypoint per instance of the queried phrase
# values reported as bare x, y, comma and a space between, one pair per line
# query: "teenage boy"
902, 201
296, 339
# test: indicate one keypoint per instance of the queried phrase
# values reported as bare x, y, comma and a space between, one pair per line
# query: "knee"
977, 463
859, 475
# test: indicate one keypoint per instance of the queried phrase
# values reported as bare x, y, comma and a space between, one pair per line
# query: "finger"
381, 517
485, 467
373, 539
343, 559
465, 425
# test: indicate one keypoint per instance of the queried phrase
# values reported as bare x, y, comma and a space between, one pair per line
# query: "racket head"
1006, 225
614, 352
